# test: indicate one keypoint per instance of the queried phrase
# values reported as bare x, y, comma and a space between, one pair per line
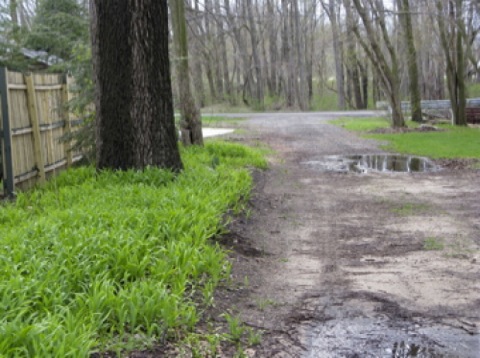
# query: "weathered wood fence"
33, 121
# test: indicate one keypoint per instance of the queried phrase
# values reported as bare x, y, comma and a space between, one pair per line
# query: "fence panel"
34, 119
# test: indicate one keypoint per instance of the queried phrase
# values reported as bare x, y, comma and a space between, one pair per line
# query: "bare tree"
385, 63
259, 95
190, 123
331, 10
415, 98
452, 44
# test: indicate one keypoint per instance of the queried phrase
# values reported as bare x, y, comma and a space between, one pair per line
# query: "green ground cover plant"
92, 259
449, 142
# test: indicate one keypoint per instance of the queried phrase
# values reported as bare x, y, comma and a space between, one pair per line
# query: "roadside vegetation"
448, 142
114, 260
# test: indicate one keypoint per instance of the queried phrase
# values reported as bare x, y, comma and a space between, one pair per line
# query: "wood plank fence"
472, 106
33, 121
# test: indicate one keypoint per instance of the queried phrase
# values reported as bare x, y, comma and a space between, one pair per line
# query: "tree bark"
337, 53
190, 123
352, 60
414, 86
223, 59
197, 58
259, 95
272, 34
302, 74
207, 54
242, 51
287, 69
135, 123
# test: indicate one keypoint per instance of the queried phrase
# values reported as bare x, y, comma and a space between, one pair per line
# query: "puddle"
373, 162
366, 337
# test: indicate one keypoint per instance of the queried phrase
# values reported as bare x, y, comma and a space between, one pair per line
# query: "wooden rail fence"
472, 108
33, 121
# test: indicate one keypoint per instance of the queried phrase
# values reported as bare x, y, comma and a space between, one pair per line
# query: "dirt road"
355, 265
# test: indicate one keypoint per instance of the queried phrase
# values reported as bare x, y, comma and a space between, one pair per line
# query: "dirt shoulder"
354, 265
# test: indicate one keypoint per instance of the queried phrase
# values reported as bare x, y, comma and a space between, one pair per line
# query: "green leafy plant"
254, 337
263, 303
236, 329
91, 260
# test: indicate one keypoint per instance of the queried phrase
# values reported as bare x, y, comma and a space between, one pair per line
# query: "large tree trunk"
190, 123
135, 123
414, 87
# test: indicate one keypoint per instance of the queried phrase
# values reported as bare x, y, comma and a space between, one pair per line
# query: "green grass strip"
92, 259
450, 142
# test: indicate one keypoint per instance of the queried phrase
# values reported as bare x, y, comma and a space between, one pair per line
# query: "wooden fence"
34, 119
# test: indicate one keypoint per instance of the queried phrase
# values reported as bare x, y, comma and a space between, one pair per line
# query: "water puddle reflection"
373, 162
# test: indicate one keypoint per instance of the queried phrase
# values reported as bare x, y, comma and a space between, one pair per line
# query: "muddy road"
343, 264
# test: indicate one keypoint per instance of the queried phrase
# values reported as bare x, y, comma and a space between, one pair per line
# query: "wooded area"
292, 52
267, 54
287, 53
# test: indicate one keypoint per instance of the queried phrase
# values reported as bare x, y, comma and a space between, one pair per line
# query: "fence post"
37, 139
9, 180
66, 96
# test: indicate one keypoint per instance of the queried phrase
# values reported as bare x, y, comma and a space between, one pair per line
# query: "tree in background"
58, 26
13, 33
332, 11
190, 123
134, 117
452, 30
415, 98
385, 62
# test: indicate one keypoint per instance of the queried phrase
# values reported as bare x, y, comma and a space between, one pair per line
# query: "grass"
208, 121
433, 243
361, 124
473, 90
451, 142
93, 261
408, 209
